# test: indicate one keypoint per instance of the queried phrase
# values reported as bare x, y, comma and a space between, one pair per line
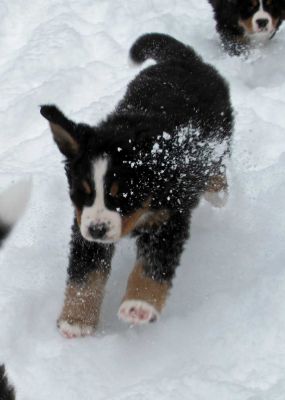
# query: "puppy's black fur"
165, 140
6, 390
234, 19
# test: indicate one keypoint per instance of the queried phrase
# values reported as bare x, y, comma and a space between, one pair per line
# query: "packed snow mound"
222, 335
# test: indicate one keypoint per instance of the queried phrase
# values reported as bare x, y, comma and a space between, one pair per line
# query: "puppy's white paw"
137, 312
217, 199
72, 331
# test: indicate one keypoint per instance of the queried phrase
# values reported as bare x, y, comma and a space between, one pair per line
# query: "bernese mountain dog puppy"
141, 172
240, 22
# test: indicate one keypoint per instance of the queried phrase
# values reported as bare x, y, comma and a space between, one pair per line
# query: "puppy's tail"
7, 391
160, 47
12, 204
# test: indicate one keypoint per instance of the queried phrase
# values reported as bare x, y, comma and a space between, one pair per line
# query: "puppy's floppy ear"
63, 130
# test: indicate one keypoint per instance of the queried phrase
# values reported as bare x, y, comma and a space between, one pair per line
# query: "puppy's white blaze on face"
98, 215
260, 15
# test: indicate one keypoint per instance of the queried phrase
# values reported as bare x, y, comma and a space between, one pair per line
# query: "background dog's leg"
159, 252
13, 202
89, 268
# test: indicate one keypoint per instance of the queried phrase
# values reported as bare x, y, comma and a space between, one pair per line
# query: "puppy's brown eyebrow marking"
114, 189
86, 187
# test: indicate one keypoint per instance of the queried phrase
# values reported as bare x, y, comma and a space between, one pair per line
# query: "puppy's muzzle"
98, 231
262, 23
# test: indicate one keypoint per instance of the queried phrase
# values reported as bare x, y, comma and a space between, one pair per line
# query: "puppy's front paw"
217, 199
74, 330
137, 312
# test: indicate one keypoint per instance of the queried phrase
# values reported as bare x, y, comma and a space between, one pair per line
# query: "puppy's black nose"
98, 231
262, 22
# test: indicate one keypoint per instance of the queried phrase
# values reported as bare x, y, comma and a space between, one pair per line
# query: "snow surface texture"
222, 335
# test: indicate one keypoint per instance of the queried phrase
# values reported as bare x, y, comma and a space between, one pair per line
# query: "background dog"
12, 205
241, 21
13, 202
141, 171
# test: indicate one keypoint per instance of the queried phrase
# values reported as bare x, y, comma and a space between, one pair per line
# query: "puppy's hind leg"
217, 190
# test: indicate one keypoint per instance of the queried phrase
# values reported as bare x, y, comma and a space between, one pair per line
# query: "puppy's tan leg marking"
144, 298
217, 190
81, 310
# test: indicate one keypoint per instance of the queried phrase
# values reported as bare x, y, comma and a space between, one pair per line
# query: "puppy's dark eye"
253, 4
81, 192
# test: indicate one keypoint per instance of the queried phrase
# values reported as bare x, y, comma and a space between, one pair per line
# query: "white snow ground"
222, 335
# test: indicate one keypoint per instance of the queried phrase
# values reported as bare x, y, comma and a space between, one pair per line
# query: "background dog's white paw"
13, 201
72, 331
137, 312
217, 199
